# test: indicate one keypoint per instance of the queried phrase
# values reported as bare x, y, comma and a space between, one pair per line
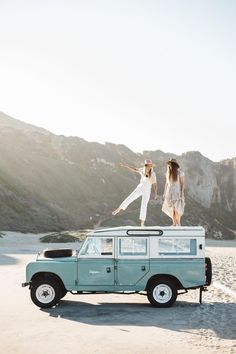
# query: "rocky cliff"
50, 182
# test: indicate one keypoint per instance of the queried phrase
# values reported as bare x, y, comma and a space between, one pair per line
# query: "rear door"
133, 259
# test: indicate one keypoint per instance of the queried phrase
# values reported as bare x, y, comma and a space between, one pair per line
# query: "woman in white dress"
148, 178
173, 196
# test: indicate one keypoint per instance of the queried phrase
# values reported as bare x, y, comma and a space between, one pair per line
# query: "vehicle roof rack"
151, 231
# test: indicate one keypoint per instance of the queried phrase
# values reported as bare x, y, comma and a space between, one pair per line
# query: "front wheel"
45, 293
162, 293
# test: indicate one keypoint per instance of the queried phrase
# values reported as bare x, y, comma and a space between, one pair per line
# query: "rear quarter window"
173, 247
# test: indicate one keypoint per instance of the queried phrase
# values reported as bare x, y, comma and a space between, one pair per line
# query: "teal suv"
161, 262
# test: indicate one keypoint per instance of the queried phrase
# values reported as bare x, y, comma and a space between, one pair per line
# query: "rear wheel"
162, 293
46, 293
208, 271
63, 293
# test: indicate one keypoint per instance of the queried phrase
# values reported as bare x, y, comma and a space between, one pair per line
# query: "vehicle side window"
177, 247
133, 246
98, 246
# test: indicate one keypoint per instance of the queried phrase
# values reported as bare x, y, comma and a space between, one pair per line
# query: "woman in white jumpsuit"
173, 196
148, 178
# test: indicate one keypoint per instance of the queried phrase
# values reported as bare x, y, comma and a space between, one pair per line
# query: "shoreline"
17, 242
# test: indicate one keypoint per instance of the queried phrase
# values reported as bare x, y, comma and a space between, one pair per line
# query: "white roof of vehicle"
150, 231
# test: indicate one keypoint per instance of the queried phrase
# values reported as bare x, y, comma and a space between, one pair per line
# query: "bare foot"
116, 211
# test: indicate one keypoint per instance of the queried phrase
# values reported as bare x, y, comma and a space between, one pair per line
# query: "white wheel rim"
45, 293
162, 293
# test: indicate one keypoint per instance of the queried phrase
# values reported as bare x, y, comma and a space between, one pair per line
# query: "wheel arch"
46, 275
166, 277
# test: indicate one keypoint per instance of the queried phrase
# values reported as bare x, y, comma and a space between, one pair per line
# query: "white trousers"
143, 191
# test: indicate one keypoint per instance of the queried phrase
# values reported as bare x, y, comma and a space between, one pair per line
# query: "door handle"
143, 268
108, 269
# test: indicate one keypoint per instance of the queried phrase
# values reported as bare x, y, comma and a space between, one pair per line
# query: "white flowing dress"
172, 197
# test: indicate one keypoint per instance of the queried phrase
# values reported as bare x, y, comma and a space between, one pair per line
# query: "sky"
150, 74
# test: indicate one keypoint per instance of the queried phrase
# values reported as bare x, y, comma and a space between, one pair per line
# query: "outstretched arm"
133, 169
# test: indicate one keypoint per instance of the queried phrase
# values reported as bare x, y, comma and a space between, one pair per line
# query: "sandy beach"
114, 323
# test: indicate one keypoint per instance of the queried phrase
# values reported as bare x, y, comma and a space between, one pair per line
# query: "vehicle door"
96, 262
133, 259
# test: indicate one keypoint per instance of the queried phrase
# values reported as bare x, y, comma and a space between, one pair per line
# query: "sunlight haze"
153, 75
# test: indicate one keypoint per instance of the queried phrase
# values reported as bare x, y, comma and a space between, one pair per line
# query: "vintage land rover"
161, 262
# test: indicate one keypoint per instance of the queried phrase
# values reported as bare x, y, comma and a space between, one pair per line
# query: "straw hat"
173, 161
148, 162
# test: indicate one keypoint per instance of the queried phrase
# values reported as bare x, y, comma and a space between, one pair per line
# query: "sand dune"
115, 323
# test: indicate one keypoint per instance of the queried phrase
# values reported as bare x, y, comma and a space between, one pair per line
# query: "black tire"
63, 252
162, 293
208, 273
46, 293
63, 293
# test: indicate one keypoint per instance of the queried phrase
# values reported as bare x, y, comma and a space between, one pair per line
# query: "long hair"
172, 172
149, 173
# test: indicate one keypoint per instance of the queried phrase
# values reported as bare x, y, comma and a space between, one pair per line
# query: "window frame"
135, 256
177, 255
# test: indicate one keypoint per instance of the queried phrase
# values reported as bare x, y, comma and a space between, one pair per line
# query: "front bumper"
25, 284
